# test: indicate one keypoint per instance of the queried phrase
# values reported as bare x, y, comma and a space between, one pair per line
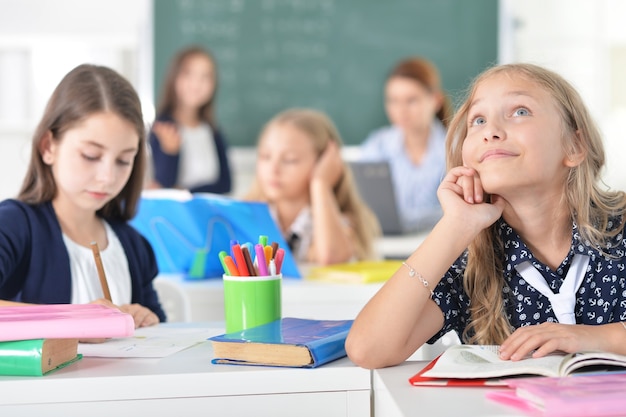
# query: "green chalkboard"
332, 55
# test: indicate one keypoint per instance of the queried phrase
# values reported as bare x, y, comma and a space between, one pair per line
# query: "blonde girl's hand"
168, 137
461, 195
142, 316
542, 339
329, 167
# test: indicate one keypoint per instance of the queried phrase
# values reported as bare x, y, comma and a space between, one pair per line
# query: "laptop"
373, 180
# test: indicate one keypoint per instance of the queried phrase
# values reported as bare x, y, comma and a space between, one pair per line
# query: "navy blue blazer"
166, 166
35, 264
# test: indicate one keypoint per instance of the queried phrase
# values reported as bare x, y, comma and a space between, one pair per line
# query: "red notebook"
419, 380
63, 321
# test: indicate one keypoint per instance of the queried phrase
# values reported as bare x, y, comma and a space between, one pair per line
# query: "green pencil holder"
251, 301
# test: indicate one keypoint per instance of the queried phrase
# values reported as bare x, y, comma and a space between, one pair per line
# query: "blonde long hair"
590, 206
321, 130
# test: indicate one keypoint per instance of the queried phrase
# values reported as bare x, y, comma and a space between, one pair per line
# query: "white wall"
585, 41
40, 40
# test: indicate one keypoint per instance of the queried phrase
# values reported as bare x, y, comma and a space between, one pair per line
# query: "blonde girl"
536, 243
310, 190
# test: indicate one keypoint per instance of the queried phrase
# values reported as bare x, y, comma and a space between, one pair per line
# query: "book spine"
328, 349
21, 357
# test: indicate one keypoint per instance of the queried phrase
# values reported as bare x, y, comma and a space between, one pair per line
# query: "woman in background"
311, 194
414, 143
188, 151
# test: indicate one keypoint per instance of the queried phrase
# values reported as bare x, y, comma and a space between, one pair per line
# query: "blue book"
291, 342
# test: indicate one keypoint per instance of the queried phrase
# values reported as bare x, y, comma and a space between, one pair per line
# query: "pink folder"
571, 396
68, 321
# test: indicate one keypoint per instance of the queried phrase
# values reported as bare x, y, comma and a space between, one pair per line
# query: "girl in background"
310, 191
530, 250
82, 185
188, 150
413, 144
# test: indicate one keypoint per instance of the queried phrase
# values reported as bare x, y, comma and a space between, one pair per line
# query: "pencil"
103, 278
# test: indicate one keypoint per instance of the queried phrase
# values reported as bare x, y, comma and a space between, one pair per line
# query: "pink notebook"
571, 396
68, 321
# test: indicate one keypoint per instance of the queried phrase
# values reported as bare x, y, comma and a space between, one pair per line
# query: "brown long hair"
590, 205
426, 74
86, 90
169, 101
321, 130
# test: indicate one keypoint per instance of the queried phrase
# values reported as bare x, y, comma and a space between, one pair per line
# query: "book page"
148, 342
474, 361
595, 361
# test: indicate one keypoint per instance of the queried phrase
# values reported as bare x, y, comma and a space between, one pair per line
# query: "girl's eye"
521, 112
476, 121
90, 157
123, 162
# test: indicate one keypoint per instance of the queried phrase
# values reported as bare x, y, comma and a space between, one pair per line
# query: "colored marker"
223, 255
231, 268
250, 247
272, 267
260, 258
274, 249
240, 261
263, 240
233, 242
248, 258
280, 256
267, 251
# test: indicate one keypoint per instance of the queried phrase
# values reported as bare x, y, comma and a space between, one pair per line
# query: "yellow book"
360, 272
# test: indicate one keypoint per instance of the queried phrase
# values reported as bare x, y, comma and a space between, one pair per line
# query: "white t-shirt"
85, 280
199, 162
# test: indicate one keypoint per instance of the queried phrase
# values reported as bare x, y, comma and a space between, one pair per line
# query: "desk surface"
394, 396
186, 376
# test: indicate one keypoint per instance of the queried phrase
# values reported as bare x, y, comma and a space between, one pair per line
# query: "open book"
480, 361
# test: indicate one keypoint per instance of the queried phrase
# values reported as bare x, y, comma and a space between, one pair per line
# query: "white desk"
394, 396
301, 298
186, 383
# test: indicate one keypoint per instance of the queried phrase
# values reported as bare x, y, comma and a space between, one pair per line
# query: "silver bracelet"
414, 273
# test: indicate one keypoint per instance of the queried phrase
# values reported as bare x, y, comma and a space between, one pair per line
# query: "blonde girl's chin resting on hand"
525, 218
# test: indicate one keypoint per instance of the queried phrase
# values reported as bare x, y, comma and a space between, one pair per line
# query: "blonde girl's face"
92, 162
195, 83
409, 105
286, 159
514, 138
